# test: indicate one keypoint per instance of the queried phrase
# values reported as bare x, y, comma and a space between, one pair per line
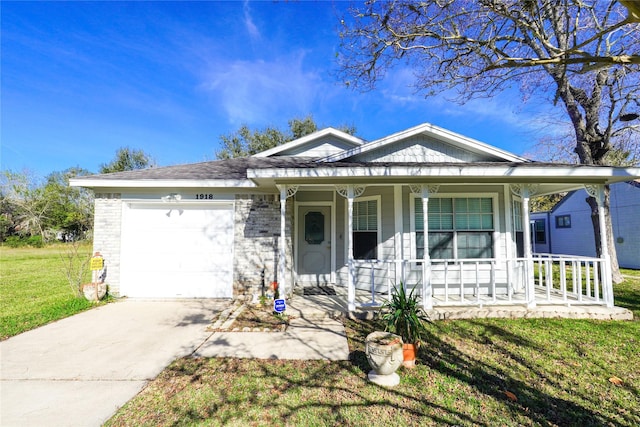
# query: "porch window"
365, 229
458, 228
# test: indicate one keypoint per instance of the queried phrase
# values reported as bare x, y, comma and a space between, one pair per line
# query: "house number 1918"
204, 196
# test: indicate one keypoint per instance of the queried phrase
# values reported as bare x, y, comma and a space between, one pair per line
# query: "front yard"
34, 290
479, 372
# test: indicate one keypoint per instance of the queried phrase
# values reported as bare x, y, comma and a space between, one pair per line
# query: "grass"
34, 290
477, 372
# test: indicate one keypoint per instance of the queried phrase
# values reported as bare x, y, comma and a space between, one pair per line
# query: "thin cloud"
252, 28
256, 91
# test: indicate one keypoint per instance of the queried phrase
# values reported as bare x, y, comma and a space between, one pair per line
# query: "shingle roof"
232, 169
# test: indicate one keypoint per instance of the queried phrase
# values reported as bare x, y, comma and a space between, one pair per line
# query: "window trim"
378, 200
496, 218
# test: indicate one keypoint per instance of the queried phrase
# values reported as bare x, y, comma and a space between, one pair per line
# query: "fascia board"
308, 138
162, 183
589, 174
435, 131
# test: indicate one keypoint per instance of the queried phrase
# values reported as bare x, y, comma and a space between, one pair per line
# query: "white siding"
421, 149
322, 147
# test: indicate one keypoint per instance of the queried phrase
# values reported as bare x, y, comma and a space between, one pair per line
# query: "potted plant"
403, 315
384, 354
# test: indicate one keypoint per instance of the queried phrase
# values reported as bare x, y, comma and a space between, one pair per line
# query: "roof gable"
323, 143
425, 143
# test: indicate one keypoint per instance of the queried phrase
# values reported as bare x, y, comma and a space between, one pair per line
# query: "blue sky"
81, 79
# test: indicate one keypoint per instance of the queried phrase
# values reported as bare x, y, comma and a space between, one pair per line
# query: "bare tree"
582, 54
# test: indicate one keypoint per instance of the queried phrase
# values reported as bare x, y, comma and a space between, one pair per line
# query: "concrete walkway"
80, 370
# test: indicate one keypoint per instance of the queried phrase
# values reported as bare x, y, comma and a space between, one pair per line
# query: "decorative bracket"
520, 189
595, 191
417, 188
343, 190
171, 197
290, 189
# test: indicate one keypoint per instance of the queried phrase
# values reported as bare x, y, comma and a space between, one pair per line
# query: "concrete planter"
89, 291
384, 354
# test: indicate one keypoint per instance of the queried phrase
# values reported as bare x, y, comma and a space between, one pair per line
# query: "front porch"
547, 286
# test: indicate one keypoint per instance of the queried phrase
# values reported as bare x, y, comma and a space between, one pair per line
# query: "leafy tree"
568, 52
127, 159
246, 142
71, 209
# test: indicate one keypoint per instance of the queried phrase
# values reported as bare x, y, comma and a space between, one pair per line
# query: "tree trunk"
616, 275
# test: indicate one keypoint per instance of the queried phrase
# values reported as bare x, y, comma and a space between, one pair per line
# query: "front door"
314, 245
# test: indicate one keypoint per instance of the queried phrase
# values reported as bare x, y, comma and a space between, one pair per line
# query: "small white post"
427, 291
607, 283
526, 231
351, 287
282, 281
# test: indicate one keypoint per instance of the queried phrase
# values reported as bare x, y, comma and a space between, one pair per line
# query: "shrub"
13, 242
34, 241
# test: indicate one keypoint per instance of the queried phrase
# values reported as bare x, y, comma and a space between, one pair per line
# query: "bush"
13, 242
18, 242
35, 241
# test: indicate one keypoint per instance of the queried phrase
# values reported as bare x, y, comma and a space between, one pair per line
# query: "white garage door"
177, 251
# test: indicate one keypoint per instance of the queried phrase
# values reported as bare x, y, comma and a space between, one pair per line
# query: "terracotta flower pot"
409, 352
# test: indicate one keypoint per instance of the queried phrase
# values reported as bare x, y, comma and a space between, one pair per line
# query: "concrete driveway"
80, 370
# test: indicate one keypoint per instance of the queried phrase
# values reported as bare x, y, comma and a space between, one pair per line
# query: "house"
567, 228
330, 209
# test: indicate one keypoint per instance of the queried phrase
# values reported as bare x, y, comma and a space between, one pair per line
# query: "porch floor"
334, 306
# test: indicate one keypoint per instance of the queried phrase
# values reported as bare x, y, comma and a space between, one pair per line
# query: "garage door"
177, 251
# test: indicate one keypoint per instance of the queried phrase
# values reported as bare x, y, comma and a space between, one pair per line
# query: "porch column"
285, 193
525, 191
597, 191
425, 192
351, 287
399, 249
350, 192
427, 290
526, 231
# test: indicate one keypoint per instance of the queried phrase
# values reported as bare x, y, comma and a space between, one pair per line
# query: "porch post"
399, 250
526, 231
282, 281
285, 193
607, 283
427, 291
351, 287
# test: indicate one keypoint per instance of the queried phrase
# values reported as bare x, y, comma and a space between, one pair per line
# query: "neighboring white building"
425, 207
567, 228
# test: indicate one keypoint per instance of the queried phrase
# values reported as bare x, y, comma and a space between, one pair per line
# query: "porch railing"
543, 279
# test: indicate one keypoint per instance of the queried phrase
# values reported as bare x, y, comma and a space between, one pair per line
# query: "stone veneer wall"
256, 240
107, 225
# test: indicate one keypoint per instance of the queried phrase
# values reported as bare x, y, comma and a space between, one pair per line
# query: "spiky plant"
403, 315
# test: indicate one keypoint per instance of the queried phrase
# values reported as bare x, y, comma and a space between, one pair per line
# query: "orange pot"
409, 355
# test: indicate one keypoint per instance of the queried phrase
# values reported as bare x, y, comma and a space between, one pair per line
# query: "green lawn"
478, 372
34, 289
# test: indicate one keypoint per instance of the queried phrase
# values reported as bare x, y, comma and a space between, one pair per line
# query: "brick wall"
256, 240
107, 225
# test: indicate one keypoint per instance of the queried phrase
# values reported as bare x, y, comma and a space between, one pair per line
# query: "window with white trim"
365, 229
458, 227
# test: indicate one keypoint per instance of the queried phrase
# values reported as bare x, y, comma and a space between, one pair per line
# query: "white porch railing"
543, 279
